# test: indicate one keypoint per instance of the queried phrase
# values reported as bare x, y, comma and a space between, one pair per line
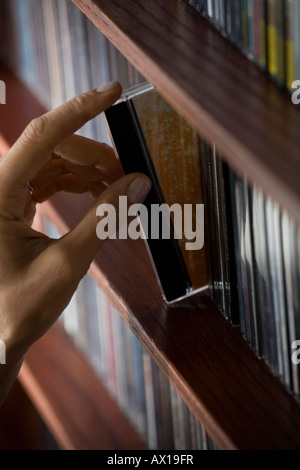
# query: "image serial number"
172, 459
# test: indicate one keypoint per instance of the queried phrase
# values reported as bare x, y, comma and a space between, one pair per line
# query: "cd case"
150, 137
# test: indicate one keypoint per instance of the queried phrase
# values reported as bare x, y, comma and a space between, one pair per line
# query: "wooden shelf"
231, 392
71, 399
221, 93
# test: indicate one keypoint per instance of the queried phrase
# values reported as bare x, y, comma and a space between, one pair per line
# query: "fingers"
78, 150
82, 157
82, 243
79, 165
70, 184
59, 177
34, 147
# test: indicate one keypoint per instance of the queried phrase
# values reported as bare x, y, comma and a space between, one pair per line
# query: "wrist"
11, 359
12, 351
9, 368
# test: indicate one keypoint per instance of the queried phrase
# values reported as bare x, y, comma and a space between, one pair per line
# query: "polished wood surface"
219, 91
71, 399
240, 403
21, 426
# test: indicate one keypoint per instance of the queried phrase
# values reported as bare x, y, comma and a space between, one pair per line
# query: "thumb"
82, 242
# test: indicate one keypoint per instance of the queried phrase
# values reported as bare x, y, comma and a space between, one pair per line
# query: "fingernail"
138, 190
107, 87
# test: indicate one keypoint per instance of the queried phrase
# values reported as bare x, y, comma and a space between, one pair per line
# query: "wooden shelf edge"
203, 356
71, 399
219, 91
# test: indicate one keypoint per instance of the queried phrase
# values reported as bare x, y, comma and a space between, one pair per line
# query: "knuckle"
79, 101
81, 105
36, 129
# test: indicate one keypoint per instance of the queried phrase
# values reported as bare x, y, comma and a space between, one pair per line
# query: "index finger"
33, 148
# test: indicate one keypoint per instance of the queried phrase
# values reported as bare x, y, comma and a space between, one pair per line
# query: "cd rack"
252, 125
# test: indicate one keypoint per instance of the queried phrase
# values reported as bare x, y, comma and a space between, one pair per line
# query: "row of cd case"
250, 261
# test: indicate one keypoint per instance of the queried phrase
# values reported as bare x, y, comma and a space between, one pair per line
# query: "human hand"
38, 275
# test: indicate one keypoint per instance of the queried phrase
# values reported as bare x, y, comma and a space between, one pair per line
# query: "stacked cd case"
253, 264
